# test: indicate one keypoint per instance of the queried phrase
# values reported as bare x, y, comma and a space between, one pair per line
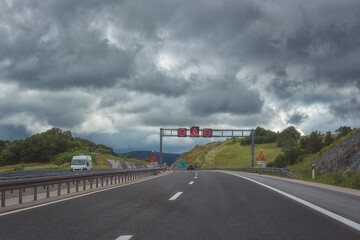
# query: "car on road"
190, 167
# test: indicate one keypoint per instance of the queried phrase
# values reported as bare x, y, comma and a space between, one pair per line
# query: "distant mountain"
169, 158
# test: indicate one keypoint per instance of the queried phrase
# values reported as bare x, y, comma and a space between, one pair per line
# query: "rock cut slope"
344, 157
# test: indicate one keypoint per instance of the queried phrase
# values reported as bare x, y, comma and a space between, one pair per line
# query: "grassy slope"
44, 166
229, 154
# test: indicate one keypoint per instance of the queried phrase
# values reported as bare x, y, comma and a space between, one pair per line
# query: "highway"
192, 205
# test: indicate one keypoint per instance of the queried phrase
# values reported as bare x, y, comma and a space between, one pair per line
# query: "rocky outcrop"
124, 165
344, 157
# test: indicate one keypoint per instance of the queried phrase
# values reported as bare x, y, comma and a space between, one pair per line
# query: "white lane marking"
192, 182
195, 177
310, 205
78, 196
124, 237
175, 196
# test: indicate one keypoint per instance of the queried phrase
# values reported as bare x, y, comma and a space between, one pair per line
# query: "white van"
82, 162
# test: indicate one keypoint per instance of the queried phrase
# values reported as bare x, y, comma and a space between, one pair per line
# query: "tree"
2, 145
314, 143
288, 137
304, 142
343, 131
328, 139
265, 136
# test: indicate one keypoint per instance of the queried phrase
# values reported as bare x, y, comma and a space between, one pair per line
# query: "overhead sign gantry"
195, 131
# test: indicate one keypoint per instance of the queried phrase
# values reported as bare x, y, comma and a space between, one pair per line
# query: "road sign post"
313, 171
161, 136
252, 146
261, 159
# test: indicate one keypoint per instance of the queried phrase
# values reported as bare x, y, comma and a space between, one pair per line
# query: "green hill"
54, 149
337, 162
229, 153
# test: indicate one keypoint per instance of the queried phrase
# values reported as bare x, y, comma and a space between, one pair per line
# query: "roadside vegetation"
54, 149
285, 149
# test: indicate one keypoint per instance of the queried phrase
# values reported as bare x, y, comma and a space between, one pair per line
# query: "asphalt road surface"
189, 205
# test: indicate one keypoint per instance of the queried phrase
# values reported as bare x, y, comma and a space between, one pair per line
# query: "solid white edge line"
124, 237
308, 204
175, 196
190, 183
69, 198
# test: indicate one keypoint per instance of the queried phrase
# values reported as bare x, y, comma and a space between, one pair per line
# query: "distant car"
190, 167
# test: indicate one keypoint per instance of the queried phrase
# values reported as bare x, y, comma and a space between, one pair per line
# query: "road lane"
216, 206
346, 205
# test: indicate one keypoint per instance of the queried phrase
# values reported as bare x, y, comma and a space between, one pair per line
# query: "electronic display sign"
194, 132
207, 132
181, 132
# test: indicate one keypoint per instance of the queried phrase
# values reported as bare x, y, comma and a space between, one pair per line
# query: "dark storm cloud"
346, 109
106, 54
297, 118
157, 82
57, 109
12, 132
223, 96
56, 48
282, 86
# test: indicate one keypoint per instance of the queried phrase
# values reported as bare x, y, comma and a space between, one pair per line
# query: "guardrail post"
102, 181
3, 198
20, 196
48, 191
59, 189
91, 182
35, 193
68, 187
77, 185
84, 184
97, 182
111, 180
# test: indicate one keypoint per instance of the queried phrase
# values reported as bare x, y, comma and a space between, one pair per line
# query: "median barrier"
61, 185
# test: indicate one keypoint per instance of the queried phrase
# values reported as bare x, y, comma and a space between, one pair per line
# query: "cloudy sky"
116, 71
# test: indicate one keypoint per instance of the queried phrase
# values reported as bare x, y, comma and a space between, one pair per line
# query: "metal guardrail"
272, 171
59, 183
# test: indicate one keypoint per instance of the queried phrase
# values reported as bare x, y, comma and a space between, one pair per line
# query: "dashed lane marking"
124, 237
192, 182
175, 196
